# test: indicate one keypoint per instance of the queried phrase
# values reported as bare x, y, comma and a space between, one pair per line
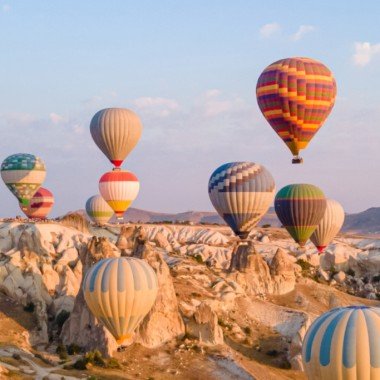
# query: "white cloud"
55, 118
6, 8
157, 106
302, 30
364, 52
212, 103
268, 30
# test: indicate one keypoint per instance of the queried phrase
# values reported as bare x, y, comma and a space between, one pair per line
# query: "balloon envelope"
98, 209
296, 95
23, 174
119, 188
120, 292
300, 208
116, 132
343, 343
329, 226
241, 193
40, 204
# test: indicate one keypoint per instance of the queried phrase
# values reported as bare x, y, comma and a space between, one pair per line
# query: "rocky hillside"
211, 319
365, 222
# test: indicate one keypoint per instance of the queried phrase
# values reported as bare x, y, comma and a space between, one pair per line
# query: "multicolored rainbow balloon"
296, 95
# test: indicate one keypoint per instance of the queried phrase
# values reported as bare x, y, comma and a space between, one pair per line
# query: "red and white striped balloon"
119, 188
40, 204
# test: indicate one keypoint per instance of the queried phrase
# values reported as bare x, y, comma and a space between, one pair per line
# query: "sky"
189, 70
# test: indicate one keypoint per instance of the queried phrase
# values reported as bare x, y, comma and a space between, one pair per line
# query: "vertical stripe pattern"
40, 204
120, 292
329, 226
119, 188
116, 132
296, 95
300, 208
344, 344
241, 193
98, 209
23, 174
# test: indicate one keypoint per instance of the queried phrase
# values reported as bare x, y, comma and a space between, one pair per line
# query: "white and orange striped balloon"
40, 204
119, 188
329, 226
116, 132
120, 292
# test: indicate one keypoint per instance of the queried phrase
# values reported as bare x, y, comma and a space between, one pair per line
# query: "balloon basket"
297, 160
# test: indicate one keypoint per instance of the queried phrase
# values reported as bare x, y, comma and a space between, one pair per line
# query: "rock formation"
163, 322
81, 327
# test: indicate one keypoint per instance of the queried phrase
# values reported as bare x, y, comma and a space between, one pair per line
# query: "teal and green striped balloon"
300, 208
23, 174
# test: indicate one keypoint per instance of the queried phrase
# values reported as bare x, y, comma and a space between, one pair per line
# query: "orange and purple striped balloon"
296, 95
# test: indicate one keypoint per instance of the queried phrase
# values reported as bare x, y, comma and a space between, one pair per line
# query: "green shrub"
81, 364
62, 352
113, 363
73, 349
95, 358
304, 264
198, 258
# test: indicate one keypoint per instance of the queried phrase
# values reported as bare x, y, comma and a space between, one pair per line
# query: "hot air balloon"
23, 174
296, 96
329, 226
119, 188
344, 344
40, 204
241, 193
116, 132
120, 292
300, 208
98, 209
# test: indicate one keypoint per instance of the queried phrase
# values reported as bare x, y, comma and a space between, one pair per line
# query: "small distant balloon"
296, 95
119, 188
98, 209
329, 226
241, 193
116, 132
300, 208
23, 174
39, 205
120, 292
344, 344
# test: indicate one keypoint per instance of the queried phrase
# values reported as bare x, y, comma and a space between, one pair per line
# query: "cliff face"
268, 296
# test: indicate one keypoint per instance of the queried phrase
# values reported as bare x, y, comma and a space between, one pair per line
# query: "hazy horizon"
189, 70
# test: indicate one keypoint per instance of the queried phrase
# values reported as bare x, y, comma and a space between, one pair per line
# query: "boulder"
204, 326
340, 277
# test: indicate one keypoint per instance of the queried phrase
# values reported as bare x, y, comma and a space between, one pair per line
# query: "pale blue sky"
189, 69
